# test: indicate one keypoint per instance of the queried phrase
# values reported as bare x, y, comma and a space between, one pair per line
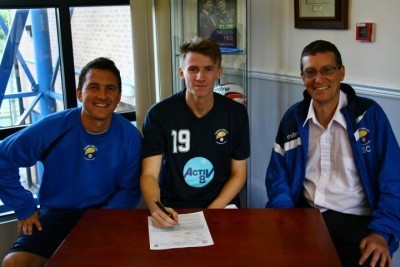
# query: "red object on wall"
365, 31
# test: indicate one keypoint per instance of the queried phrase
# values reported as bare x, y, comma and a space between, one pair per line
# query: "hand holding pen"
164, 223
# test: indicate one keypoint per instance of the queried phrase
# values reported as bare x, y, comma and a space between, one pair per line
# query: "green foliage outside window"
6, 17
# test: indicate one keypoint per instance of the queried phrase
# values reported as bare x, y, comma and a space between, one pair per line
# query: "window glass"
105, 32
30, 77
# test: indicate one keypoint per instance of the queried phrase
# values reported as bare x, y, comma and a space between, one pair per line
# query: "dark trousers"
346, 231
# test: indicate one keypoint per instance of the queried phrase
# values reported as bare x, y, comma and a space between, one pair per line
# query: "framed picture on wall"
218, 19
321, 14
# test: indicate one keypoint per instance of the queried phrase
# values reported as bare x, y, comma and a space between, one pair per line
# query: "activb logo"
198, 172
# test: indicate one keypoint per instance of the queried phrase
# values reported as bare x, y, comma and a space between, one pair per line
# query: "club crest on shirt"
364, 138
90, 152
221, 136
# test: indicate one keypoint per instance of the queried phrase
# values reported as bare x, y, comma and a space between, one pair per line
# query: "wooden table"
245, 237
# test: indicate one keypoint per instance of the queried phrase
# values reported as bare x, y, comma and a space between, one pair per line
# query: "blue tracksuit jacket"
376, 156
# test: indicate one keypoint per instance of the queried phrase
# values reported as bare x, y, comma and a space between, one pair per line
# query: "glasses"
312, 73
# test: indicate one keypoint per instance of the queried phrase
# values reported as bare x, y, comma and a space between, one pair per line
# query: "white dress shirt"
332, 181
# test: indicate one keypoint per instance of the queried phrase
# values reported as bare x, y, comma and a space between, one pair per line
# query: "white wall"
275, 45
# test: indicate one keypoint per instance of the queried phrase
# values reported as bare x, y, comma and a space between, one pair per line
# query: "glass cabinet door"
223, 20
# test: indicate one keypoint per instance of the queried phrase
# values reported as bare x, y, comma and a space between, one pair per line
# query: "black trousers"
346, 231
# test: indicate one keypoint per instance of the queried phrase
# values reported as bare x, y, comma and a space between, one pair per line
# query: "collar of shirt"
338, 116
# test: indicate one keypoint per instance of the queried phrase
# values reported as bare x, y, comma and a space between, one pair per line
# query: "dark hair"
320, 46
100, 63
205, 46
203, 2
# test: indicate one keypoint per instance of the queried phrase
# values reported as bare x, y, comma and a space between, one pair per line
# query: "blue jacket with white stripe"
376, 156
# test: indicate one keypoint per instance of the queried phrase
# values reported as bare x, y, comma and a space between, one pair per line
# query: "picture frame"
218, 19
321, 14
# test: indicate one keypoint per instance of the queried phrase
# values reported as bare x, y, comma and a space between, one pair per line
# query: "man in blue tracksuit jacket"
91, 159
292, 181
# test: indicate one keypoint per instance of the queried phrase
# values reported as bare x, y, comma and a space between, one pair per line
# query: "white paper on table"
192, 231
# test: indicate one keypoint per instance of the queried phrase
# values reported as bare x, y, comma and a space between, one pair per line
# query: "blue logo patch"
198, 172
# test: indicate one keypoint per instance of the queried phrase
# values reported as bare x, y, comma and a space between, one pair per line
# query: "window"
43, 46
105, 31
28, 79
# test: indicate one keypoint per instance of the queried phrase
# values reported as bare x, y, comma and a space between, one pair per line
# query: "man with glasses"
336, 151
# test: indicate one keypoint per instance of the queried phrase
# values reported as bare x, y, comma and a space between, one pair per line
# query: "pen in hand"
163, 209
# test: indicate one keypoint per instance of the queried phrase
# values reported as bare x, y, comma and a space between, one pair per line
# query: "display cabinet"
223, 20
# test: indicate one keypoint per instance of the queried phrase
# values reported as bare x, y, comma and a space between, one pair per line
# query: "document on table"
192, 231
